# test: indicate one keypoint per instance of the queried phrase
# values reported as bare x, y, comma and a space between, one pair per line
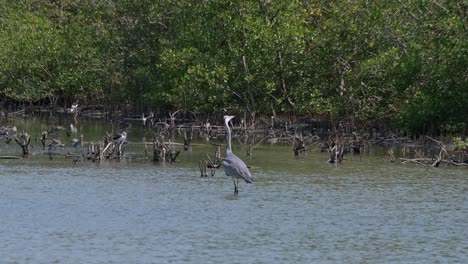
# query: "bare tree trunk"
251, 101
284, 91
24, 142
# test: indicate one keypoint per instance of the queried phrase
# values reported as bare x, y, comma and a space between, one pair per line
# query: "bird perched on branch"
73, 130
233, 165
74, 110
143, 118
77, 142
74, 107
120, 138
55, 143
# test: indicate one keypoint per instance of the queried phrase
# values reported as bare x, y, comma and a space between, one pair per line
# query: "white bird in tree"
74, 110
143, 118
74, 107
233, 165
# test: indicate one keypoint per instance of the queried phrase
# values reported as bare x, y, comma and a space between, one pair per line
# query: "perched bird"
74, 110
73, 130
77, 142
120, 138
207, 125
55, 143
13, 130
56, 130
43, 139
74, 107
143, 118
234, 166
7, 130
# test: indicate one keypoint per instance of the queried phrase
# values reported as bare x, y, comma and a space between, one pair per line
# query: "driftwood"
299, 146
188, 140
443, 156
43, 139
340, 144
94, 151
217, 161
433, 162
9, 157
8, 132
419, 161
442, 152
335, 146
336, 152
300, 134
24, 141
203, 165
110, 148
212, 164
164, 152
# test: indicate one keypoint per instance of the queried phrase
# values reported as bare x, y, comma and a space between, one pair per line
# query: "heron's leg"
120, 148
234, 181
235, 186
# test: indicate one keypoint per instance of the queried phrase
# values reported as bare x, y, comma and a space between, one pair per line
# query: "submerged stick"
10, 157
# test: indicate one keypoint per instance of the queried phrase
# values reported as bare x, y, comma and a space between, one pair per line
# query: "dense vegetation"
404, 61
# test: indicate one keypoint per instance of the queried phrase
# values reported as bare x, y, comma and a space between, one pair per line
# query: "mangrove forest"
403, 63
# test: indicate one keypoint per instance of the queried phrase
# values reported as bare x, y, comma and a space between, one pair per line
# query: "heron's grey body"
233, 165
120, 138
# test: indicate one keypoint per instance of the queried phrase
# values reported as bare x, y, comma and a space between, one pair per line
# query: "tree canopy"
403, 61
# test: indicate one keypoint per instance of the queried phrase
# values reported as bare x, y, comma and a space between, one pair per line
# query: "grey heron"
78, 142
55, 143
56, 130
233, 165
120, 138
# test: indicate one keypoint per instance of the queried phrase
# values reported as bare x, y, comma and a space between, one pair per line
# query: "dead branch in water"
24, 141
94, 151
443, 150
9, 157
417, 161
202, 166
164, 152
442, 157
212, 164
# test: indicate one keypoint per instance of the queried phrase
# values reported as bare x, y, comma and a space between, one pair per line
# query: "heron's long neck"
228, 137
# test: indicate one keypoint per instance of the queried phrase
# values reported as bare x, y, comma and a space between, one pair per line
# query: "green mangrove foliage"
404, 61
460, 144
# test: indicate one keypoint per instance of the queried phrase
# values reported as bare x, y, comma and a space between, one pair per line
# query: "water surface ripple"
362, 211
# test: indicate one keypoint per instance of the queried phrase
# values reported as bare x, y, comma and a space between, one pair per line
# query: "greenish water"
299, 210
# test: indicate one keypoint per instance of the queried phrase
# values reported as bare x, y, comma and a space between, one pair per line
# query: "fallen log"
10, 157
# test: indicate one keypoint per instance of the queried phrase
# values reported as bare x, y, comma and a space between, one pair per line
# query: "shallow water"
299, 210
